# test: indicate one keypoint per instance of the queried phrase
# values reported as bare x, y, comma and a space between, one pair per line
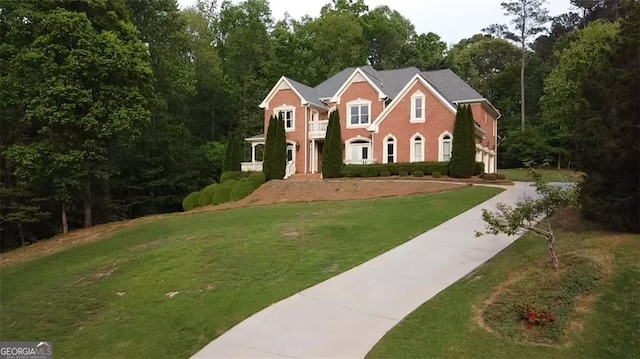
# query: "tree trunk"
522, 114
88, 220
559, 159
21, 233
65, 226
551, 245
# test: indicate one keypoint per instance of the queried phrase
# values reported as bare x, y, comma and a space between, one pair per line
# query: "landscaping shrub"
418, 174
332, 164
394, 169
478, 168
257, 179
233, 155
403, 173
436, 174
234, 175
501, 176
191, 201
385, 174
463, 150
223, 193
490, 176
207, 194
241, 189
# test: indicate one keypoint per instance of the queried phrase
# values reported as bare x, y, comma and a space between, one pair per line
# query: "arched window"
445, 147
417, 148
358, 151
390, 150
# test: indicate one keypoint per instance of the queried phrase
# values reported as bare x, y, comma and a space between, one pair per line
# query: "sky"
452, 20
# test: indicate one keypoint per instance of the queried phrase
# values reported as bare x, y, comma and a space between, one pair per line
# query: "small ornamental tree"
280, 155
269, 151
463, 152
332, 150
526, 214
233, 155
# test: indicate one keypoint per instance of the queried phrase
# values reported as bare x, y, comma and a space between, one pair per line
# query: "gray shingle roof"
450, 86
391, 82
309, 94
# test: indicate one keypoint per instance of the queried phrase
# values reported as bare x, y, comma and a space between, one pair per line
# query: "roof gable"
365, 73
306, 94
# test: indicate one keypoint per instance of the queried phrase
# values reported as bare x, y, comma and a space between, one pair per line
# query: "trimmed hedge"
191, 201
490, 176
478, 169
242, 189
394, 169
257, 179
385, 174
207, 194
222, 194
418, 174
403, 173
234, 175
501, 176
436, 174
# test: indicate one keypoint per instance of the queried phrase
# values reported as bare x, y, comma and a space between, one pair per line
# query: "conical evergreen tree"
280, 155
332, 150
463, 151
233, 155
269, 150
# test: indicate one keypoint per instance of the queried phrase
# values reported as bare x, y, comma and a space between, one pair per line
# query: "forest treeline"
117, 109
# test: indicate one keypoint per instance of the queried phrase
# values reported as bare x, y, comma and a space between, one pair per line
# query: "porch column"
313, 156
253, 152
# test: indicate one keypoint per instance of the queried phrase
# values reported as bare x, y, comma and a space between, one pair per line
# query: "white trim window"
358, 151
390, 149
288, 115
359, 112
445, 146
417, 148
418, 110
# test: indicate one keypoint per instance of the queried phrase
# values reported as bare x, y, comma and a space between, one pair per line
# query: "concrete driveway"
345, 316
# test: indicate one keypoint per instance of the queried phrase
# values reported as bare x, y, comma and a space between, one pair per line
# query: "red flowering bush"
537, 317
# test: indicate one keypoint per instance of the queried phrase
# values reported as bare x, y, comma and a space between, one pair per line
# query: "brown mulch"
274, 192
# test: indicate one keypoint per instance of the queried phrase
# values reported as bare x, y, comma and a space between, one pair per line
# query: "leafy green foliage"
223, 193
333, 146
241, 189
233, 155
393, 169
463, 152
418, 174
436, 174
280, 155
191, 201
233, 175
206, 195
257, 179
269, 163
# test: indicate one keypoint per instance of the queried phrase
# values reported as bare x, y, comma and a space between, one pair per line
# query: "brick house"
402, 115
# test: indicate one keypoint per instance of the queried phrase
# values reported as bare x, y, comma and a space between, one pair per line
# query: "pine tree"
332, 152
233, 155
280, 155
269, 150
463, 151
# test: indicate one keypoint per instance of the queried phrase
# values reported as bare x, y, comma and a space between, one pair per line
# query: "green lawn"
548, 175
108, 299
447, 326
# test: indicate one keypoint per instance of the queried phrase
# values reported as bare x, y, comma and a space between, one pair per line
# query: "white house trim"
336, 97
416, 79
284, 108
385, 148
358, 102
418, 95
412, 148
441, 143
282, 84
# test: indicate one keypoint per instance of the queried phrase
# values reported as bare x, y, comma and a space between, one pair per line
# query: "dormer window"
418, 107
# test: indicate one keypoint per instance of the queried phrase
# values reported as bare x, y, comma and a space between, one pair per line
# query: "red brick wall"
289, 98
438, 120
358, 90
487, 122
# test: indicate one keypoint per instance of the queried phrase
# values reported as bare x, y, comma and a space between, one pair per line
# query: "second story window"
359, 114
289, 117
417, 107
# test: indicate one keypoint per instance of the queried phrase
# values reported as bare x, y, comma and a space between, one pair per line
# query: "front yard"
165, 288
594, 301
548, 175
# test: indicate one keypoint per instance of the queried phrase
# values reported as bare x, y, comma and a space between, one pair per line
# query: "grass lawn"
548, 175
108, 299
607, 326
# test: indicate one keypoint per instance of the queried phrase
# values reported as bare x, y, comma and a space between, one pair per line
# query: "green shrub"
257, 179
385, 174
234, 175
418, 174
207, 194
242, 189
403, 173
478, 168
191, 201
436, 174
490, 176
332, 152
394, 169
231, 182
463, 149
501, 176
222, 193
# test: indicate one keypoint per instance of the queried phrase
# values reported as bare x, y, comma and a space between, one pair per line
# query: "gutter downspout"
306, 134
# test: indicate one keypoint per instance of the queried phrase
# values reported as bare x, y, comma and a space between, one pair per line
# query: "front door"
319, 157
